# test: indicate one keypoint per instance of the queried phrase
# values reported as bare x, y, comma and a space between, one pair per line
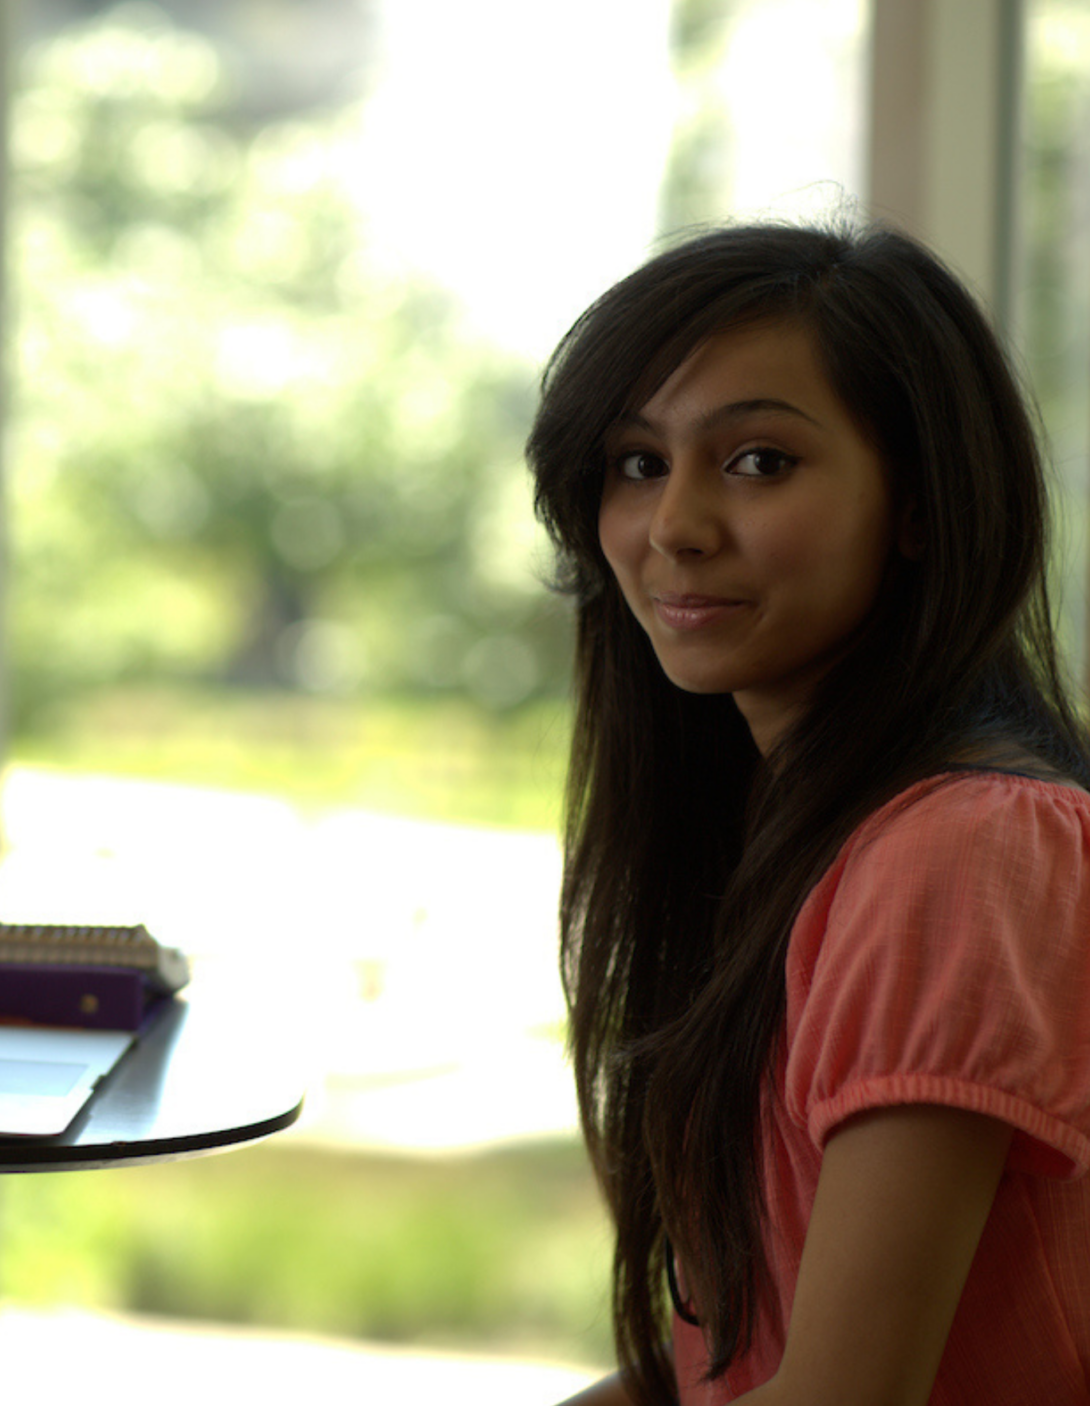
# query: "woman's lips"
693, 612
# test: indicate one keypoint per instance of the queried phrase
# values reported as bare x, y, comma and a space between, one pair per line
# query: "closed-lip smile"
690, 601
687, 611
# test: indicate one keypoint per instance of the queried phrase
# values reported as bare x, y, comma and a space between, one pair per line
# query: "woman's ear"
911, 539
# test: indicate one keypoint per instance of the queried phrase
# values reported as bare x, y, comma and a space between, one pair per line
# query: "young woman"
826, 910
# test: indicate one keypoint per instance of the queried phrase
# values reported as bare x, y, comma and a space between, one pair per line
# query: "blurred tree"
1054, 315
698, 170
241, 449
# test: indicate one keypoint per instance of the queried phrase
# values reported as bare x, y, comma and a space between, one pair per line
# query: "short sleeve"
945, 959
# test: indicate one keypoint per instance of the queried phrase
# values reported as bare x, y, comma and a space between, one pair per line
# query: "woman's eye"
640, 466
761, 463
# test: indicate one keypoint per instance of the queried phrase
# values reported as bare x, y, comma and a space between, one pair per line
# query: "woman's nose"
686, 520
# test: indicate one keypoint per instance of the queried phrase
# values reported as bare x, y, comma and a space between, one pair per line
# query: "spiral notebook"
94, 945
54, 976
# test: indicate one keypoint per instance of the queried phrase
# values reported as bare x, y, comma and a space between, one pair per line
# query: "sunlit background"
284, 680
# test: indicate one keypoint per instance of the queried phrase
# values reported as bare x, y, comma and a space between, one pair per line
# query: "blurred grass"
442, 759
503, 1252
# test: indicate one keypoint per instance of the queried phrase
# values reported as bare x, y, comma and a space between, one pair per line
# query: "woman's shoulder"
944, 959
1009, 826
973, 799
962, 868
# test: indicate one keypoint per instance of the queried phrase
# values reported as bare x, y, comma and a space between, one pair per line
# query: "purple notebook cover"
96, 998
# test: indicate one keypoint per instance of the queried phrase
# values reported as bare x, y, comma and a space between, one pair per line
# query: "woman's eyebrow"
729, 411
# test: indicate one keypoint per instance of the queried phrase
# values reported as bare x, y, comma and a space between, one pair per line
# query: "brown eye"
640, 466
761, 463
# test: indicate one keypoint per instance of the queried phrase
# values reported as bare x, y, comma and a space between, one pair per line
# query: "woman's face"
748, 522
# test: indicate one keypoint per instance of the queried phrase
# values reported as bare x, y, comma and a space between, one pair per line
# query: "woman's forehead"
676, 358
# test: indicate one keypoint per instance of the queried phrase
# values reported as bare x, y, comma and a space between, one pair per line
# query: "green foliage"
447, 759
1053, 316
505, 1251
1057, 112
697, 173
243, 449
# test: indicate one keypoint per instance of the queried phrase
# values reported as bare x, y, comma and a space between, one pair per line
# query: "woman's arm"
901, 1203
608, 1392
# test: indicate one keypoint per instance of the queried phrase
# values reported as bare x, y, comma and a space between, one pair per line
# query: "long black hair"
688, 855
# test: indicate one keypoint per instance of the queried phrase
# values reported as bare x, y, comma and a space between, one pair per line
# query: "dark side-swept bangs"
905, 347
626, 344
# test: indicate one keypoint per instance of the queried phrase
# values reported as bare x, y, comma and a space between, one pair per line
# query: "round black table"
205, 1074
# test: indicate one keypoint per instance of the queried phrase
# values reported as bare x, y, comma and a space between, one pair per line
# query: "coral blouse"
944, 958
